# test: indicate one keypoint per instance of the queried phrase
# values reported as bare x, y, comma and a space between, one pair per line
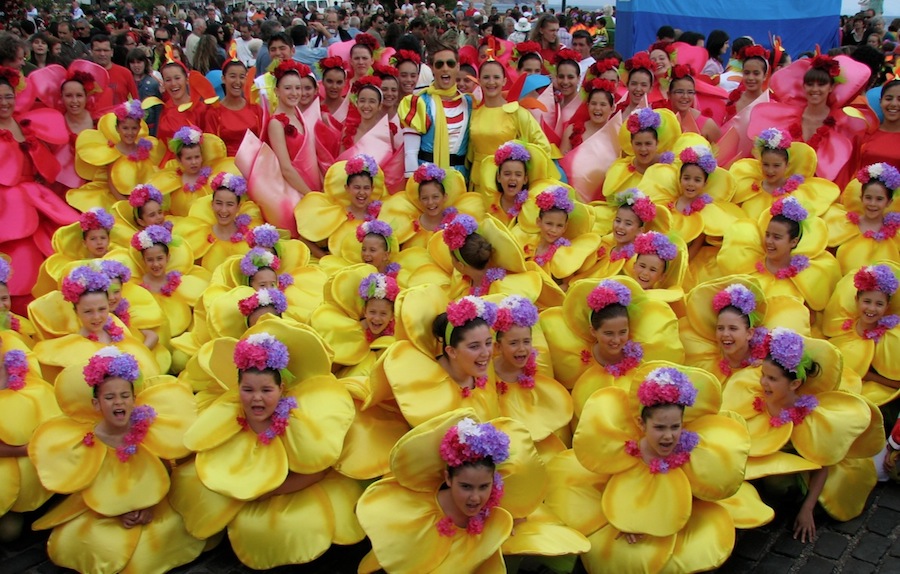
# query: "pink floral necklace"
680, 456
547, 256
804, 405
790, 186
16, 364
884, 325
242, 222
280, 419
798, 264
202, 178
525, 379
142, 152
490, 275
626, 252
140, 420
480, 383
695, 206
116, 334
890, 224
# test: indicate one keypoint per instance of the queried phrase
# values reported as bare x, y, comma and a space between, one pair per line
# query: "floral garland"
123, 311
511, 151
388, 332
796, 132
491, 275
521, 198
643, 119
173, 280
758, 351
733, 98
141, 418
680, 456
632, 354
373, 210
142, 152
290, 130
881, 172
696, 205
525, 379
798, 263
790, 186
624, 252
242, 222
795, 414
84, 279
96, 218
480, 383
14, 323
545, 257
16, 365
202, 178
116, 333
889, 226
884, 325
281, 417
378, 286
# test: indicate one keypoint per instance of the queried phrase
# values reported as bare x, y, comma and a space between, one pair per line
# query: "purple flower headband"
261, 351
265, 235
263, 298
699, 155
789, 207
84, 279
639, 203
666, 386
773, 138
361, 163
515, 311
375, 227
555, 198
876, 278
256, 259
738, 296
96, 218
5, 271
186, 135
143, 193
129, 110
608, 292
468, 309
429, 172
469, 441
115, 270
785, 347
655, 243
643, 119
511, 151
457, 230
233, 183
110, 362
150, 236
883, 172
378, 286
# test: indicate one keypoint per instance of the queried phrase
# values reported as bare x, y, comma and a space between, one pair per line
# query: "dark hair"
584, 35
9, 46
714, 44
366, 175
165, 248
741, 43
641, 71
254, 371
95, 390
470, 70
859, 292
186, 146
544, 212
817, 76
476, 251
440, 185
215, 191
99, 38
873, 58
691, 38
736, 311
813, 370
664, 32
685, 165
609, 96
872, 182
777, 151
364, 46
631, 209
568, 62
647, 130
377, 91
647, 412
613, 311
687, 78
138, 55
794, 230
888, 86
280, 37
299, 35
439, 329
231, 63
103, 229
494, 62
486, 462
529, 56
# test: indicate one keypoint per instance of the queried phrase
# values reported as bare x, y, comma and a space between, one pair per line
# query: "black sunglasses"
439, 64
161, 39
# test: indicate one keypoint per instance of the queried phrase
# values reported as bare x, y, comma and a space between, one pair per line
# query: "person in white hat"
523, 26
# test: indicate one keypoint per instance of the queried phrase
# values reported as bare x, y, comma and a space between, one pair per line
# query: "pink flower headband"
883, 172
790, 208
150, 236
608, 292
261, 351
511, 151
263, 298
111, 362
643, 119
555, 198
84, 279
143, 193
233, 183
375, 227
96, 218
699, 155
186, 135
655, 243
457, 230
739, 297
468, 309
876, 278
666, 386
265, 235
129, 110
379, 286
469, 441
639, 203
256, 259
361, 164
515, 311
429, 172
773, 138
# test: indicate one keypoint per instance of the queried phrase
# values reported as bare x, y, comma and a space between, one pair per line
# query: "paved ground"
869, 543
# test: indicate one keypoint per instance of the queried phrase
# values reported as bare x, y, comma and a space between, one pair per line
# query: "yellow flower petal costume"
170, 180
197, 231
622, 174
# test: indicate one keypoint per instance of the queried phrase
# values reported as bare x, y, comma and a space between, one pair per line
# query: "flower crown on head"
655, 243
331, 63
640, 61
96, 218
469, 441
511, 151
378, 286
143, 193
605, 65
366, 82
468, 309
679, 71
361, 164
883, 172
790, 207
515, 311
699, 155
458, 229
523, 48
111, 362
265, 235
666, 386
263, 298
401, 56
773, 138
286, 67
115, 270
129, 110
555, 198
258, 258
739, 297
5, 271
384, 71
754, 51
429, 172
375, 227
185, 136
638, 202
825, 62
84, 279
565, 54
599, 85
261, 351
366, 40
667, 47
14, 77
85, 79
150, 236
608, 292
233, 183
643, 119
876, 278
785, 347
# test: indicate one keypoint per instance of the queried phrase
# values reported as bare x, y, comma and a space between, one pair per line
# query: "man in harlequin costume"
436, 120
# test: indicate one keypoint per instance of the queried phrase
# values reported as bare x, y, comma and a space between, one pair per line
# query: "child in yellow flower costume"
509, 178
724, 328
646, 138
780, 167
800, 423
134, 306
120, 433
861, 320
376, 245
785, 251
26, 401
864, 229
143, 208
265, 447
198, 156
659, 266
114, 158
427, 517
656, 474
9, 321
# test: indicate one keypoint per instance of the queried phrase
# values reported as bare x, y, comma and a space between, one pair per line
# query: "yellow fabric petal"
847, 487
574, 493
205, 512
662, 508
216, 424
776, 464
565, 347
343, 493
111, 545
738, 396
611, 553
31, 493
606, 425
716, 468
315, 433
747, 510
11, 483
705, 542
225, 469
415, 460
64, 463
121, 487
870, 442
594, 378
367, 447
543, 409
164, 543
838, 420
342, 333
524, 474
544, 534
68, 508
176, 411
23, 410
318, 216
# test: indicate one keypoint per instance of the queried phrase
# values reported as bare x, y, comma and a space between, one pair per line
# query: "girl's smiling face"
777, 241
378, 315
567, 77
155, 261
774, 167
875, 200
890, 104
432, 198
359, 189
611, 336
369, 104
225, 206
693, 180
649, 270
733, 334
472, 354
151, 214
626, 226
552, 225
599, 108
754, 75
74, 97
307, 92
92, 310
128, 130
409, 76
872, 306
779, 390
374, 251
639, 85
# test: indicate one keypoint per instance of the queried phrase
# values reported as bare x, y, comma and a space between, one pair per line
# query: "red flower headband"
599, 84
383, 71
566, 54
85, 79
367, 40
401, 56
605, 65
754, 51
640, 61
523, 48
666, 47
828, 64
366, 82
332, 63
679, 71
289, 67
12, 76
